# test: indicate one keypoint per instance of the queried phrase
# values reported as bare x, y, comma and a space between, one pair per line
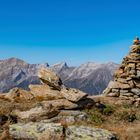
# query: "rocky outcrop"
126, 82
53, 131
55, 108
52, 98
54, 82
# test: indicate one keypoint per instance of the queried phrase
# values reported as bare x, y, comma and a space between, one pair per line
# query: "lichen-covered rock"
50, 78
72, 94
88, 133
55, 131
36, 131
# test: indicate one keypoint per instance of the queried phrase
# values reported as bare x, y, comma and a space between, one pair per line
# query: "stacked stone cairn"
126, 81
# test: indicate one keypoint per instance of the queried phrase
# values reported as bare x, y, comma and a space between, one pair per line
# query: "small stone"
131, 65
129, 94
122, 80
136, 96
117, 85
115, 90
124, 91
138, 85
106, 91
113, 94
138, 73
131, 83
132, 72
136, 91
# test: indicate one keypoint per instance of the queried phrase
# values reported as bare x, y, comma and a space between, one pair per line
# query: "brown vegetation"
122, 119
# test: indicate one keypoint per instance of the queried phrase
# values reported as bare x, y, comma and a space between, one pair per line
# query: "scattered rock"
88, 133
37, 131
53, 131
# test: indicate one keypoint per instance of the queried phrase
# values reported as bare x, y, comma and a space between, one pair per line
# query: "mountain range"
89, 77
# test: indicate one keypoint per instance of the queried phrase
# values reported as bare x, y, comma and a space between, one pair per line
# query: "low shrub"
108, 110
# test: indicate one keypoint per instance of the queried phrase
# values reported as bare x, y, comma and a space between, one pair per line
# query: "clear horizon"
73, 31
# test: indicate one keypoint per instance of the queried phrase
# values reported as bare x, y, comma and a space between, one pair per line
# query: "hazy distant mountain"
15, 72
62, 69
89, 77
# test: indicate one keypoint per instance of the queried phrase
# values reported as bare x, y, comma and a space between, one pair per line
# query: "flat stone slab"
72, 94
60, 104
45, 92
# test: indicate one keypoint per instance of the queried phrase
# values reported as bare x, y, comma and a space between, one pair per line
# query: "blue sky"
75, 31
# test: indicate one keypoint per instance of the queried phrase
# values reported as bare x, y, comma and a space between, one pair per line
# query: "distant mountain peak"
60, 65
14, 59
111, 63
45, 65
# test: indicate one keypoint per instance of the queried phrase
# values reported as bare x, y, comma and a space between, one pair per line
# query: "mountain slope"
15, 72
91, 77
